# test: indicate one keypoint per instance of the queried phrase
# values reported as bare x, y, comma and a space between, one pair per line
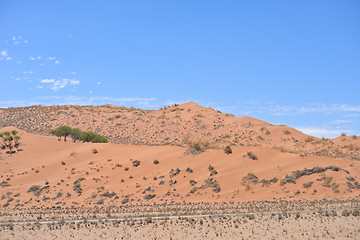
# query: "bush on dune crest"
77, 135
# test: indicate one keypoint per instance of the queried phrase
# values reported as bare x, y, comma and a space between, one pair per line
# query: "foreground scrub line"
168, 217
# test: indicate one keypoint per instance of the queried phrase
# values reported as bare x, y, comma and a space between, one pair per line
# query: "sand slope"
48, 172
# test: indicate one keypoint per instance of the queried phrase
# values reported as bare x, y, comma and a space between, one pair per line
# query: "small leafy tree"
56, 133
62, 131
65, 131
75, 134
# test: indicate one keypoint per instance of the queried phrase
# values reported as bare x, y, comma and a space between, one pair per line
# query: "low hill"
177, 125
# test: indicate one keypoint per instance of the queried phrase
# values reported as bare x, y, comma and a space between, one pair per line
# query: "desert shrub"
213, 172
309, 139
228, 150
156, 162
193, 182
252, 156
334, 187
174, 172
87, 136
287, 132
99, 139
327, 181
149, 196
189, 170
90, 136
210, 168
345, 213
9, 141
250, 178
274, 180
136, 163
288, 179
196, 147
356, 212
94, 151
307, 184
193, 190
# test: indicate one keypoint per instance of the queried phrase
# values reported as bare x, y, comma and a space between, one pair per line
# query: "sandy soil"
283, 183
48, 172
303, 224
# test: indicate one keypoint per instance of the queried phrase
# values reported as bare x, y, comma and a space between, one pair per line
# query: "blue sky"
284, 62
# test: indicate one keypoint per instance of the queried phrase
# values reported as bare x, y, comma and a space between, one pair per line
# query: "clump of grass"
287, 132
228, 150
193, 190
307, 184
251, 178
334, 187
210, 182
197, 147
136, 163
345, 213
251, 155
156, 162
94, 151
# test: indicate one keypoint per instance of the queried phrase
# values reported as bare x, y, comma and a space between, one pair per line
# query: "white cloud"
74, 82
98, 83
51, 58
38, 58
8, 58
291, 110
59, 84
4, 53
323, 132
18, 40
47, 80
73, 73
341, 121
56, 85
57, 62
32, 58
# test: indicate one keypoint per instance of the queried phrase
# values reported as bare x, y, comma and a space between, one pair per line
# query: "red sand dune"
51, 169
